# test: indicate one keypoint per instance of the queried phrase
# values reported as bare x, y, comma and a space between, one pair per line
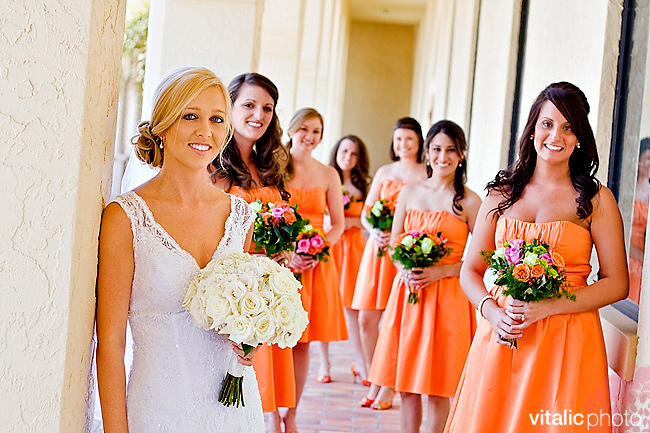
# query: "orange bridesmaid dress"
557, 377
376, 274
273, 366
347, 252
637, 238
422, 347
320, 295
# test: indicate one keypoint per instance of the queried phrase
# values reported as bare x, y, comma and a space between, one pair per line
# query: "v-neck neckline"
176, 245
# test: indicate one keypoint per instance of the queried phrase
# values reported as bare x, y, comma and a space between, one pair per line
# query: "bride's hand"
242, 358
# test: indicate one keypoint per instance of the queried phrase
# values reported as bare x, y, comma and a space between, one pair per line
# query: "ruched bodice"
177, 367
312, 204
453, 229
560, 365
569, 239
390, 189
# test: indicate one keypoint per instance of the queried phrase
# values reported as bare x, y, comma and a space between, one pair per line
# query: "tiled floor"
334, 407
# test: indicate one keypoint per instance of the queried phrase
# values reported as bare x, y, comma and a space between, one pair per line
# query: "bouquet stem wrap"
232, 388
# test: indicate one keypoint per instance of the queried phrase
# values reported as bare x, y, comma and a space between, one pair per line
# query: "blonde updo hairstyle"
172, 96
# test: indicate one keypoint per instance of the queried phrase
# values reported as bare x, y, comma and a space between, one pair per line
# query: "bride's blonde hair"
172, 96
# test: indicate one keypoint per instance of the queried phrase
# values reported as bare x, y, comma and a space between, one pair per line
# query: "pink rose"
277, 212
415, 233
516, 243
317, 241
346, 200
303, 246
548, 258
514, 255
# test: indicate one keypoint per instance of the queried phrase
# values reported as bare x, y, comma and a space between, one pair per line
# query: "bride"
153, 242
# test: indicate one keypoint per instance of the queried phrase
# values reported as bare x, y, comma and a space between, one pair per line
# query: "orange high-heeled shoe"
366, 402
383, 405
356, 374
326, 378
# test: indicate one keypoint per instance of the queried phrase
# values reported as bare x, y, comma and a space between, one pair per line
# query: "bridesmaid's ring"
523, 318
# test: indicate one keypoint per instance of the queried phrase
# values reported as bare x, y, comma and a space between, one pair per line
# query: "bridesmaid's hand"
420, 277
380, 238
301, 263
504, 326
527, 313
242, 358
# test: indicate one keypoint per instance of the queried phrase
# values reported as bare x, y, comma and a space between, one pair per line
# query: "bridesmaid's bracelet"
481, 302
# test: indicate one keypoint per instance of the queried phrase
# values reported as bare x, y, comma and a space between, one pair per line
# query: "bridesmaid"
560, 365
316, 189
350, 159
639, 219
431, 337
252, 167
376, 274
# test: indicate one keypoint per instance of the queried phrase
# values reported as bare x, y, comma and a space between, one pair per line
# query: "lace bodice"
177, 367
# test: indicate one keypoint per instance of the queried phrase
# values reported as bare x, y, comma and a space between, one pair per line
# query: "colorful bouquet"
311, 242
276, 227
253, 300
416, 249
347, 199
528, 271
380, 216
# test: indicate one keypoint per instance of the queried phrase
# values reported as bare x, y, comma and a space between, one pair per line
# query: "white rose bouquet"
253, 300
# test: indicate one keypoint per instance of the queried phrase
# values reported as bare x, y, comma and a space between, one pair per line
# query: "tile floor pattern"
334, 407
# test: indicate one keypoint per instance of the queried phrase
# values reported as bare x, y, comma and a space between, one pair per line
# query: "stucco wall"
378, 84
58, 95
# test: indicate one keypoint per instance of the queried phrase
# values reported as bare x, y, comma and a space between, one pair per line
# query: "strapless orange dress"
320, 294
347, 252
637, 238
376, 274
273, 366
558, 373
422, 347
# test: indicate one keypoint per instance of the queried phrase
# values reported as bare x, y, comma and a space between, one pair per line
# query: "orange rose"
558, 260
289, 217
521, 272
265, 217
537, 271
436, 240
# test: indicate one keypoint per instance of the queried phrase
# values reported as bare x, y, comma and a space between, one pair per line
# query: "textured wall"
59, 66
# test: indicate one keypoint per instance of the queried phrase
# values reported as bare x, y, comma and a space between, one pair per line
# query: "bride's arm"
114, 280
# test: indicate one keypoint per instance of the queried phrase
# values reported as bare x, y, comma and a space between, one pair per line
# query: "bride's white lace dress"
177, 367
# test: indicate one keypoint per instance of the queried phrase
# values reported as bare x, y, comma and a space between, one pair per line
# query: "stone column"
59, 75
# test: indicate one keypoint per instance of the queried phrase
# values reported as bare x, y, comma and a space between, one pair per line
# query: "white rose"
530, 259
499, 253
268, 297
283, 282
196, 307
256, 206
265, 327
268, 265
218, 309
251, 303
234, 291
427, 245
307, 228
252, 268
407, 241
240, 329
284, 311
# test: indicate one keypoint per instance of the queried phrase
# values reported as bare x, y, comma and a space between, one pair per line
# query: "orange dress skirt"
347, 252
273, 366
320, 294
558, 373
422, 347
376, 274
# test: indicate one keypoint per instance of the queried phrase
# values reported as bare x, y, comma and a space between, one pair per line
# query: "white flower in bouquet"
253, 300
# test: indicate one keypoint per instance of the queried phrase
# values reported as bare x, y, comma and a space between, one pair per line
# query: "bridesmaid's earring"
578, 145
160, 145
532, 137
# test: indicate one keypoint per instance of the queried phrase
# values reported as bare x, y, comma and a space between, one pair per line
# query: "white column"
58, 104
222, 35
